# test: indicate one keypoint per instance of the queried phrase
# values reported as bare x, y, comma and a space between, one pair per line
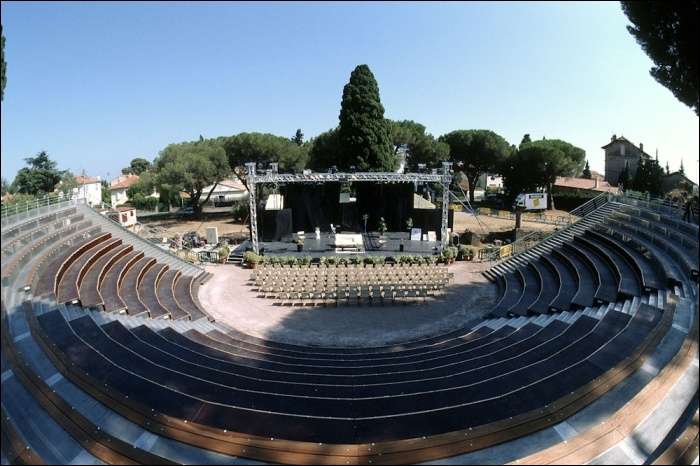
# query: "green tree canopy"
324, 150
476, 151
263, 148
538, 164
137, 166
67, 183
39, 177
649, 177
364, 134
667, 31
4, 187
144, 186
191, 167
423, 148
139, 193
526, 139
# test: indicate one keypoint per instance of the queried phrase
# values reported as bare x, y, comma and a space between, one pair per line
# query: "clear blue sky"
98, 84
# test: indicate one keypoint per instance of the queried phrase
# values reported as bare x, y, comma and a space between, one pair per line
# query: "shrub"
223, 253
304, 260
378, 260
290, 260
471, 252
141, 202
355, 260
331, 260
251, 257
403, 259
239, 210
342, 261
453, 251
462, 251
430, 260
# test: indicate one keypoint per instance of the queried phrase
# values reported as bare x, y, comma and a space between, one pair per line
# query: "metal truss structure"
444, 177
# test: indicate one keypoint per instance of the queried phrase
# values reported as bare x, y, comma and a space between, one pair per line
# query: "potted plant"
470, 253
382, 227
223, 253
452, 253
251, 259
300, 245
409, 224
462, 250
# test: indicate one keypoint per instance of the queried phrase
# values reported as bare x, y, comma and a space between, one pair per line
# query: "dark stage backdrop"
391, 201
312, 205
307, 206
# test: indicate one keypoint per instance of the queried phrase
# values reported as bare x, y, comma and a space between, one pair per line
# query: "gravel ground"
172, 226
229, 298
463, 221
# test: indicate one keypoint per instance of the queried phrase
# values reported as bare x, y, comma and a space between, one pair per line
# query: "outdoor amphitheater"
579, 348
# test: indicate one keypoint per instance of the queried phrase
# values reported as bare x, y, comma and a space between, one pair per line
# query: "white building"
125, 216
490, 181
118, 188
89, 188
226, 192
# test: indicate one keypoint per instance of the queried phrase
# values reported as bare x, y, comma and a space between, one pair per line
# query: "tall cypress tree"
586, 172
2, 65
364, 134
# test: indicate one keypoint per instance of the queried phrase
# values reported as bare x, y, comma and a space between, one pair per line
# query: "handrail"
12, 209
530, 240
650, 200
16, 213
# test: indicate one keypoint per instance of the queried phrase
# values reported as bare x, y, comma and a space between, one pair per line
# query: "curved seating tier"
569, 328
613, 259
341, 401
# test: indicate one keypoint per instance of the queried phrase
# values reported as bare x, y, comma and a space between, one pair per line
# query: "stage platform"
388, 245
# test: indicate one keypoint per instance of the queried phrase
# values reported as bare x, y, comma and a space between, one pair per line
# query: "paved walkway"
229, 298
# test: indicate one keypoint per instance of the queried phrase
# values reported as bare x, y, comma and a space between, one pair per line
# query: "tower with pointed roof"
620, 153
